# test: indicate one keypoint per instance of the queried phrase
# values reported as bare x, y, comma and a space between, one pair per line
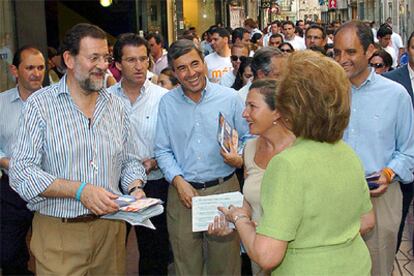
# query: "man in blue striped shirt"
29, 69
72, 151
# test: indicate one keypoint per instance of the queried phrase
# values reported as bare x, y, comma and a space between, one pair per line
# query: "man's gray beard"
91, 86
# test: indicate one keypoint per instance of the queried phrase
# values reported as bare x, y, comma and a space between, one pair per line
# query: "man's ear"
370, 51
13, 70
68, 59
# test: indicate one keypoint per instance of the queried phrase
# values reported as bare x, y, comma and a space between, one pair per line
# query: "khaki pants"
223, 253
382, 240
82, 248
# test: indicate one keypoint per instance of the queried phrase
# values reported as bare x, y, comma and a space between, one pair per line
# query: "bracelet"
389, 174
134, 188
79, 191
237, 217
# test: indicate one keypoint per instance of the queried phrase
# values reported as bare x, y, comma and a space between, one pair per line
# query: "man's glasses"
236, 58
377, 65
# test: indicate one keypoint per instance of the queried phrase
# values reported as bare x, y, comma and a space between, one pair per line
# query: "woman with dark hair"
244, 75
381, 61
166, 79
257, 41
286, 48
314, 195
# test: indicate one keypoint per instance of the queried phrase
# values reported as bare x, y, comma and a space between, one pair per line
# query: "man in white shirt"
218, 63
274, 29
289, 32
384, 38
141, 98
158, 53
238, 52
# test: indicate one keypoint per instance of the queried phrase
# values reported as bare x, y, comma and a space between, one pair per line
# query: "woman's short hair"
267, 88
313, 96
386, 57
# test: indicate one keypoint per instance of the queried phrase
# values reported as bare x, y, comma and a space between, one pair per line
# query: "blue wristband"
79, 191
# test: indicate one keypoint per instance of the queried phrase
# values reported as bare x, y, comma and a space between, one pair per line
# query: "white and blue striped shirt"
56, 140
11, 106
143, 115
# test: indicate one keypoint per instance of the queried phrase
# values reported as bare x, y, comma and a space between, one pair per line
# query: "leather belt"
84, 218
208, 184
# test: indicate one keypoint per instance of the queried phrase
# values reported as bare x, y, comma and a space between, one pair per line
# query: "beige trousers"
382, 240
83, 248
223, 253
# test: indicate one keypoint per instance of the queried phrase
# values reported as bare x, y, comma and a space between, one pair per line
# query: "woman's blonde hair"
313, 96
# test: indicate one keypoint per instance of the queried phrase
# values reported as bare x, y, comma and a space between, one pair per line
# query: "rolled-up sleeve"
26, 176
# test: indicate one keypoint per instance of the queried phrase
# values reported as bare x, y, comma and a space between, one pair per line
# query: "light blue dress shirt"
186, 141
381, 128
56, 140
11, 106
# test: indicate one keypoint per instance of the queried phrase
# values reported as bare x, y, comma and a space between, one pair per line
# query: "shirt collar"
410, 72
204, 93
64, 89
15, 96
371, 78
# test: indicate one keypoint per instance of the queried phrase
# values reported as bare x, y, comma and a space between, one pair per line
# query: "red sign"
332, 4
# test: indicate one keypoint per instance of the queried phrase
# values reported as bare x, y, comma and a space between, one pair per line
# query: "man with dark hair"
274, 30
275, 40
288, 29
141, 98
381, 131
219, 63
240, 35
315, 35
405, 76
267, 62
187, 152
72, 159
239, 52
158, 53
384, 34
29, 69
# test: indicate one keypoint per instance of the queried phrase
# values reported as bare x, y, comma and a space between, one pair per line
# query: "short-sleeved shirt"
313, 195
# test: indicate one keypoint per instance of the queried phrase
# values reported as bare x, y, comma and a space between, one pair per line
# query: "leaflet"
205, 208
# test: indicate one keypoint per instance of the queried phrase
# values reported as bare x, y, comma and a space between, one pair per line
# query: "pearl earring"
274, 122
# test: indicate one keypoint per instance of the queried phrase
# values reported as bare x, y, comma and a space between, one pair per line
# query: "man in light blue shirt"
29, 69
188, 153
381, 131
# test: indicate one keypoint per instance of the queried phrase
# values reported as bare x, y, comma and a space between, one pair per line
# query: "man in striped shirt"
72, 151
141, 98
29, 69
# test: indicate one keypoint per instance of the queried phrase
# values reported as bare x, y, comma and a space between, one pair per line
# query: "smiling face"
257, 113
89, 66
190, 70
350, 54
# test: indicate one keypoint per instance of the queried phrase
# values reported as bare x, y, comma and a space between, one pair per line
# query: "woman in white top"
272, 138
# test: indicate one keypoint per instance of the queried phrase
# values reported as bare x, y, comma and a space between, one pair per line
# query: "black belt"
84, 218
208, 184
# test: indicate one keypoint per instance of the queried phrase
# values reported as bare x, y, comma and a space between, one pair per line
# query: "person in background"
286, 48
51, 67
381, 61
238, 53
167, 80
297, 42
158, 53
257, 41
244, 74
274, 30
28, 67
384, 34
315, 35
219, 63
299, 234
275, 40
251, 26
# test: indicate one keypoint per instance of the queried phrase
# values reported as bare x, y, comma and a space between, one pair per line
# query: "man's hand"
4, 163
98, 200
185, 191
383, 186
233, 158
150, 165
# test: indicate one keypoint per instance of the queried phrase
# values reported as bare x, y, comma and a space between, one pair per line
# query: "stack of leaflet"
137, 212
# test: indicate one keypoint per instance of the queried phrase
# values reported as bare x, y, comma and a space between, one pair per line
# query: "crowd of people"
314, 109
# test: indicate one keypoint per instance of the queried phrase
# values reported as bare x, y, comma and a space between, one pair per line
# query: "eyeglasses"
377, 65
286, 50
96, 58
236, 58
135, 60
